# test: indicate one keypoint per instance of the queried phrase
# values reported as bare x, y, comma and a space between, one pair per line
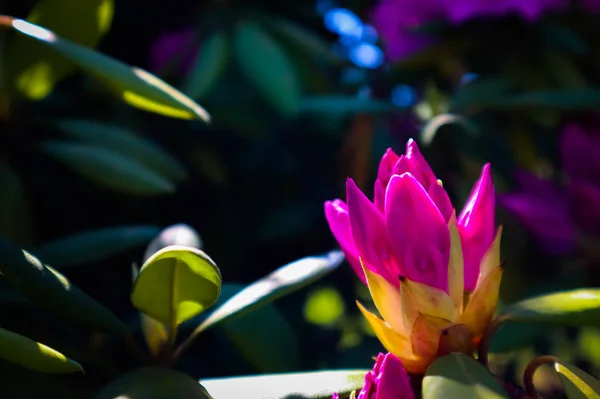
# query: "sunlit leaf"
134, 85
34, 67
281, 282
15, 217
35, 356
577, 383
155, 333
267, 66
176, 284
51, 290
94, 245
108, 168
177, 234
309, 385
154, 383
208, 66
126, 143
459, 376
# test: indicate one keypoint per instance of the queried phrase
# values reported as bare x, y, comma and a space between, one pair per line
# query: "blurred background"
303, 94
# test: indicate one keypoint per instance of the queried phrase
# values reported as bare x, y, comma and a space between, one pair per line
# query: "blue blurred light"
404, 96
325, 5
343, 22
468, 78
370, 34
366, 55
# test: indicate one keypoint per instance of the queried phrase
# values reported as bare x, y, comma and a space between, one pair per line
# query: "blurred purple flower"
179, 47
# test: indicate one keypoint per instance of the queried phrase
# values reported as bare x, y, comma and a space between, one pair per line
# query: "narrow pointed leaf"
133, 85
459, 376
577, 383
108, 168
280, 282
208, 67
35, 356
309, 385
94, 245
176, 284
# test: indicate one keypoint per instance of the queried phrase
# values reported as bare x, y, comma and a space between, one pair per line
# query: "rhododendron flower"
434, 278
387, 380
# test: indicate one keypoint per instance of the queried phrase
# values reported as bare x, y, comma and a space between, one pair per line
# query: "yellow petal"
428, 300
426, 334
389, 303
491, 258
456, 281
482, 303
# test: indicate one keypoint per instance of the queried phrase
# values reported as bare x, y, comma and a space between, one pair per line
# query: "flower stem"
530, 371
484, 345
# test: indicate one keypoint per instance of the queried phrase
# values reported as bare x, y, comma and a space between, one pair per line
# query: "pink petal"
576, 153
414, 155
418, 234
379, 196
440, 198
392, 380
585, 206
386, 166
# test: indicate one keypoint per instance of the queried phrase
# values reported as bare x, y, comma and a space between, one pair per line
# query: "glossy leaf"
282, 281
15, 217
175, 284
577, 383
35, 356
126, 143
135, 86
267, 66
308, 385
208, 66
574, 308
459, 376
154, 383
177, 234
35, 68
340, 104
49, 289
155, 333
94, 245
108, 168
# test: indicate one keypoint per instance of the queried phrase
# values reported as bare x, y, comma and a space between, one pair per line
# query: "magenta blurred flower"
180, 47
387, 380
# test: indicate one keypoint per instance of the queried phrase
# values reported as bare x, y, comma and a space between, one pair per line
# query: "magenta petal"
417, 232
368, 231
336, 212
379, 196
386, 166
335, 396
585, 207
477, 226
440, 198
414, 155
391, 379
575, 149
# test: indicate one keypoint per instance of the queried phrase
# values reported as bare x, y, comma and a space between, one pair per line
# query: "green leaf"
35, 68
108, 168
267, 66
573, 308
282, 281
479, 92
35, 356
154, 383
50, 289
126, 143
462, 377
155, 333
308, 385
340, 104
135, 86
94, 245
176, 284
177, 234
577, 383
15, 217
208, 66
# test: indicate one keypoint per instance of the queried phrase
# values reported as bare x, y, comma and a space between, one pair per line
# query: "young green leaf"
108, 168
94, 245
126, 143
135, 86
35, 356
208, 66
155, 333
577, 383
308, 385
267, 66
459, 376
176, 284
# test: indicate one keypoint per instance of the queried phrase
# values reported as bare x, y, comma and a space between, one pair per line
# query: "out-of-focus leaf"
267, 66
284, 280
430, 129
459, 376
108, 168
563, 71
53, 291
135, 86
585, 98
208, 66
324, 306
175, 284
126, 143
155, 333
574, 308
561, 37
437, 101
577, 383
479, 92
340, 104
94, 245
15, 219
35, 356
177, 234
35, 68
154, 383
308, 385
